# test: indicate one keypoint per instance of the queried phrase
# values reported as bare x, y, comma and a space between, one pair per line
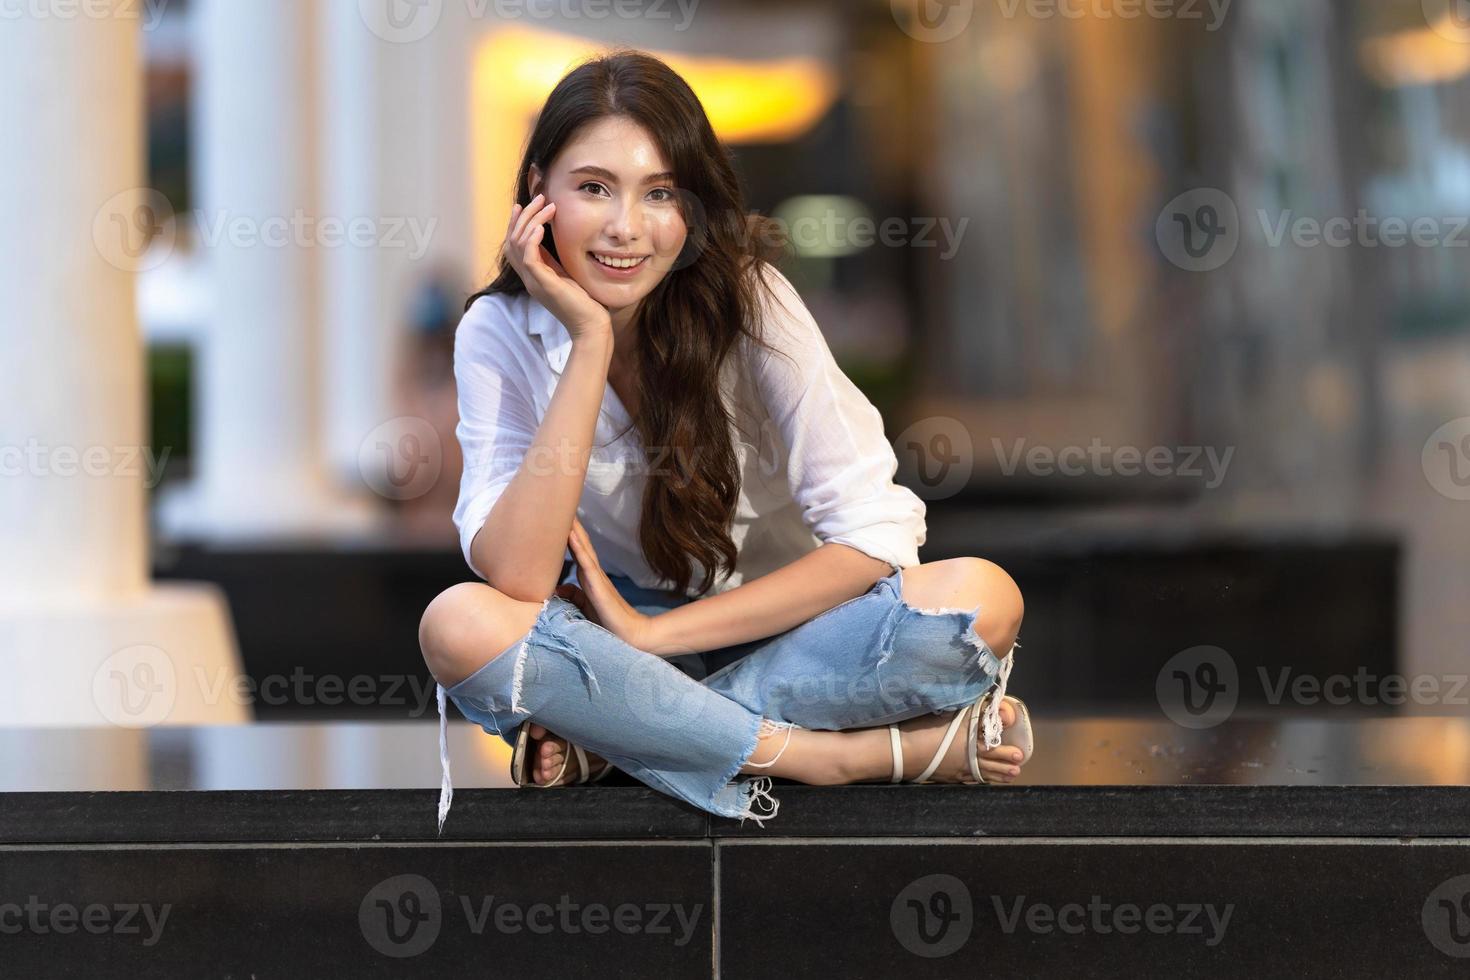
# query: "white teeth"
617, 263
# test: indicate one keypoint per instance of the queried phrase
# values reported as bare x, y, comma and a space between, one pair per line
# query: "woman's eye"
666, 195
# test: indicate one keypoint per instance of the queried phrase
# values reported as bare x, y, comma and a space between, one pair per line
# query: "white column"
357, 318
261, 472
84, 637
394, 141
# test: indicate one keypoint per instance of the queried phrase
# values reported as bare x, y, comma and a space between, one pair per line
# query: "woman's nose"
626, 223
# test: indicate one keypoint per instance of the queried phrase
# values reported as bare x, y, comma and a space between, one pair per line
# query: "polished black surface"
321, 912
1016, 909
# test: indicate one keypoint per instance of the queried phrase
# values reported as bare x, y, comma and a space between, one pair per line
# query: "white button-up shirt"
815, 463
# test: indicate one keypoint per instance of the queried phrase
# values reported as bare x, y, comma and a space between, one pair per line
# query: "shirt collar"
555, 340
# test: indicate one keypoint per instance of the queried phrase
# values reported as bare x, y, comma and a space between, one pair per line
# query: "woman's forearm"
768, 605
522, 545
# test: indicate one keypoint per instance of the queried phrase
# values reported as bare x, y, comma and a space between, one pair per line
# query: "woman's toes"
1007, 714
996, 771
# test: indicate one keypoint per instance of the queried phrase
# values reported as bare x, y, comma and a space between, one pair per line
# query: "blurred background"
1165, 307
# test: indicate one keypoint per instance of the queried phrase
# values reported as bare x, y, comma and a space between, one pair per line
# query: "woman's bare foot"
823, 758
920, 738
549, 750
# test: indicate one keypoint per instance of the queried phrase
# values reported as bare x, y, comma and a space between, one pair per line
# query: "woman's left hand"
608, 607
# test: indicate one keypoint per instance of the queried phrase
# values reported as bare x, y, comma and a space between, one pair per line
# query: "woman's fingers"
535, 223
532, 250
551, 262
523, 220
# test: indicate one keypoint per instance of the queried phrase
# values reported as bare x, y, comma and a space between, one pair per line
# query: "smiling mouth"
619, 264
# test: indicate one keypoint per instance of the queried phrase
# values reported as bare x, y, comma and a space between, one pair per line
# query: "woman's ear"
534, 178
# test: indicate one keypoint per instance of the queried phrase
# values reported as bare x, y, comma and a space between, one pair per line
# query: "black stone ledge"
639, 814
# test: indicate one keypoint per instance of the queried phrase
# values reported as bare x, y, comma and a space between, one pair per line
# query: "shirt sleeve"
497, 422
841, 465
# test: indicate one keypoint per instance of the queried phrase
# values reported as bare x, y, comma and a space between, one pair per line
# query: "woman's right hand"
545, 279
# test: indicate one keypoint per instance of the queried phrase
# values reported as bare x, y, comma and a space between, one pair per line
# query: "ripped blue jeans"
686, 725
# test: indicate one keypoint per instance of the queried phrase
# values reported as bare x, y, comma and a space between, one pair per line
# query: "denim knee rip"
999, 668
446, 787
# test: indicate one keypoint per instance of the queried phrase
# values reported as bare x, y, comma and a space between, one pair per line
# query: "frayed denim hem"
740, 800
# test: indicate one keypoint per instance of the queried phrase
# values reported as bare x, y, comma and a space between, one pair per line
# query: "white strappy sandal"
520, 761
1018, 735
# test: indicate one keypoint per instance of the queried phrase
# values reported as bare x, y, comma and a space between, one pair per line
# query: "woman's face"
615, 200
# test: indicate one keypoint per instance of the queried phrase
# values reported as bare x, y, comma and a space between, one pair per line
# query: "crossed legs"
465, 626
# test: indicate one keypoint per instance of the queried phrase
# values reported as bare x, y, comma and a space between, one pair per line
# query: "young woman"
642, 392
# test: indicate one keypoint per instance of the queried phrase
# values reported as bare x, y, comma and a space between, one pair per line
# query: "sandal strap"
897, 744
583, 766
949, 734
974, 749
581, 763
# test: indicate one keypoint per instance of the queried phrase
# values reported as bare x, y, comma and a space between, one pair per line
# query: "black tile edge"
1111, 811
357, 816
634, 814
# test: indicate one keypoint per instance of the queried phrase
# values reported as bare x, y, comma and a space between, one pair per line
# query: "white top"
816, 464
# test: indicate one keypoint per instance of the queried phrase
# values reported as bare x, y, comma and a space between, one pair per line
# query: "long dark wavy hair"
692, 320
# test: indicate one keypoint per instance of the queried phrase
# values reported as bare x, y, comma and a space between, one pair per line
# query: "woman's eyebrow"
608, 175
